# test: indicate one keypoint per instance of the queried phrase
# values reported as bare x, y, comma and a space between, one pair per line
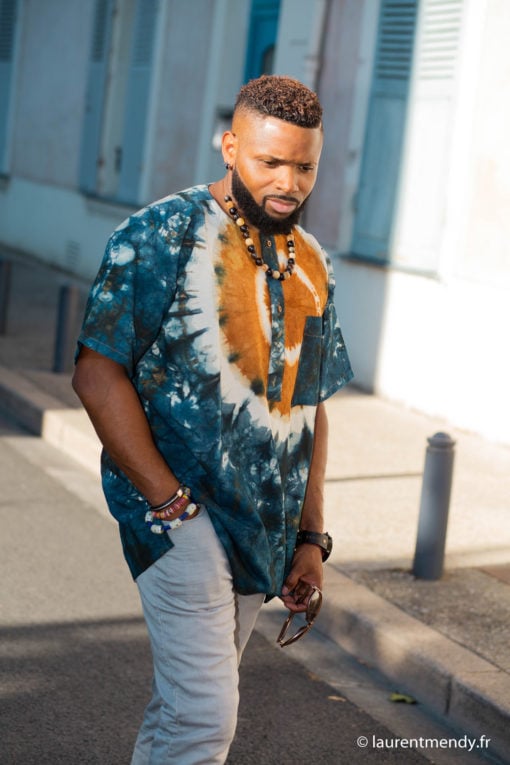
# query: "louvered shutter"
8, 15
439, 45
424, 183
385, 129
95, 95
137, 100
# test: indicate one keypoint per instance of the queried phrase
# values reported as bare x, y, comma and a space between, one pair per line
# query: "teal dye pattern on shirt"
179, 303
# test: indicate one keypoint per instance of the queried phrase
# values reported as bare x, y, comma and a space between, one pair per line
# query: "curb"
466, 689
461, 686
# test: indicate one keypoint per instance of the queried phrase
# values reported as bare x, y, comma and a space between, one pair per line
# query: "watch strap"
324, 541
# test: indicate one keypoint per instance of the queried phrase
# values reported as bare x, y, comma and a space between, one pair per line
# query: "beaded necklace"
250, 246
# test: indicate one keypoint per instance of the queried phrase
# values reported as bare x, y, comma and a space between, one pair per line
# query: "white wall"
58, 225
441, 346
41, 208
433, 343
442, 351
485, 253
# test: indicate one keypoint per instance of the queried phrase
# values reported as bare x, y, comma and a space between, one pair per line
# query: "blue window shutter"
263, 30
95, 95
8, 15
137, 100
385, 129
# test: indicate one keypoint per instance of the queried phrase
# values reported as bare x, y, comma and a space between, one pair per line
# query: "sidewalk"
444, 642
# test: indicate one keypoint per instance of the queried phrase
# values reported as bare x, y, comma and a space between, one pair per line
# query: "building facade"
106, 105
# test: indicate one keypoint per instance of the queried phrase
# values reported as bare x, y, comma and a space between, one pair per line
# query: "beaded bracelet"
176, 506
160, 528
182, 491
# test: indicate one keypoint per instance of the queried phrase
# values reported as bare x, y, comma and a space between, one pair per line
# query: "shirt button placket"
277, 356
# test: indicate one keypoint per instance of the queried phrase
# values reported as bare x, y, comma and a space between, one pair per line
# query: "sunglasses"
313, 607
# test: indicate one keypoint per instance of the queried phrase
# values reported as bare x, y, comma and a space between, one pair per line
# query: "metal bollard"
434, 506
68, 306
5, 288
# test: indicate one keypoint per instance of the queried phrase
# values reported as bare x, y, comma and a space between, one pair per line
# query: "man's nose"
287, 179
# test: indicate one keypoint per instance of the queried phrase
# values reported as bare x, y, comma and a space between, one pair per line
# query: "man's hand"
306, 572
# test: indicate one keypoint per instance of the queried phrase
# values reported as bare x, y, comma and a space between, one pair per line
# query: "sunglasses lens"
314, 605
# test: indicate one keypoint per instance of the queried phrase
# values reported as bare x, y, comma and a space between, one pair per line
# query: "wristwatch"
324, 541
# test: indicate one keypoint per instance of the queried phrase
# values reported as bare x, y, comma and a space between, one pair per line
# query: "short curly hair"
281, 97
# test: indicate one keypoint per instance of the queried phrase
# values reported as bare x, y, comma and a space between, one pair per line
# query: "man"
209, 344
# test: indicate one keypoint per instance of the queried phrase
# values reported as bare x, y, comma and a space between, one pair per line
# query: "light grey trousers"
198, 627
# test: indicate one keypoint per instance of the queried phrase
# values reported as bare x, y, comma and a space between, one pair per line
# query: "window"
262, 35
120, 70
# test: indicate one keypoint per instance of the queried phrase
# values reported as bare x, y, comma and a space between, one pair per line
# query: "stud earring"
228, 166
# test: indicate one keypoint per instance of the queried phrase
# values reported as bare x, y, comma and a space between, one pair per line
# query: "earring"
228, 166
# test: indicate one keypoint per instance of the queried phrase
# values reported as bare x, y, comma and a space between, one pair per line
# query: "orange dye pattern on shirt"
245, 309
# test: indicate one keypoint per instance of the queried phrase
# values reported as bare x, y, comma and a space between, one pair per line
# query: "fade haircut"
281, 97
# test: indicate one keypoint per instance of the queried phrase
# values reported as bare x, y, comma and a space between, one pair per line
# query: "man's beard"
256, 213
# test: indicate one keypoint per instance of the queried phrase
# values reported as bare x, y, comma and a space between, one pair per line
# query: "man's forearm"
307, 562
312, 515
120, 422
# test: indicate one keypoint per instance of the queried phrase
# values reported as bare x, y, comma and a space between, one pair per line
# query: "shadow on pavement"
74, 693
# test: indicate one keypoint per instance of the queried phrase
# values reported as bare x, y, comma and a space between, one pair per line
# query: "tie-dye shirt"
229, 367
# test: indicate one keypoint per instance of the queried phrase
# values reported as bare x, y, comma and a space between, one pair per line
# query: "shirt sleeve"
134, 287
336, 368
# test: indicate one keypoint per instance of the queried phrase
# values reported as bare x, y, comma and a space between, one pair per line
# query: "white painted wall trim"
65, 228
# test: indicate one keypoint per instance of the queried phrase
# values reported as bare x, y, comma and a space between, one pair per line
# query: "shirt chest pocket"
306, 389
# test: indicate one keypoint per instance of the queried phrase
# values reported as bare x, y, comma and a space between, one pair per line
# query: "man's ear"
229, 147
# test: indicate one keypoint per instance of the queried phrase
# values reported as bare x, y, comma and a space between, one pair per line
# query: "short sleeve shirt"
229, 367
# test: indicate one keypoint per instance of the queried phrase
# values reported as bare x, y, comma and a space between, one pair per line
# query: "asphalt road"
74, 657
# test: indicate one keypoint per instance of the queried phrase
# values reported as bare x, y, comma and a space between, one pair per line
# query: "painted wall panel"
92, 128
182, 77
50, 99
344, 84
427, 156
486, 251
225, 66
137, 101
9, 12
